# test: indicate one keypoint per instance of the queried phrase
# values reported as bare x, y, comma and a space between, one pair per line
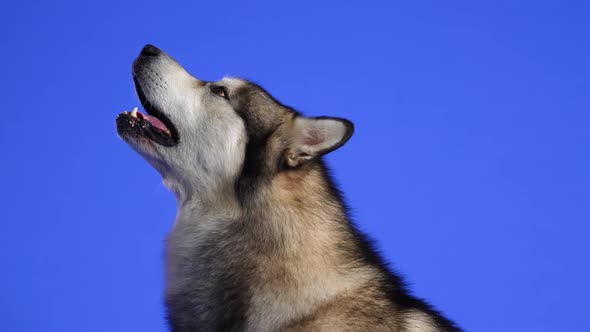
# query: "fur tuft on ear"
314, 137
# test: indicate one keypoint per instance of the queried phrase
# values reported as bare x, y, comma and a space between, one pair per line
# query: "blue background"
469, 165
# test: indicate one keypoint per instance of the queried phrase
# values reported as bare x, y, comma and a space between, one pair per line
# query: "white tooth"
134, 112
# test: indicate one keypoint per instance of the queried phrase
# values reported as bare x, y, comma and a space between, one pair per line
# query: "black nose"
150, 50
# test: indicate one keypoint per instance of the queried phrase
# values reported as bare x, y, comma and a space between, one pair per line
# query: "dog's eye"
220, 91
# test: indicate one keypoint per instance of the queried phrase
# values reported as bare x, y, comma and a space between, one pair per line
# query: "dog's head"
199, 133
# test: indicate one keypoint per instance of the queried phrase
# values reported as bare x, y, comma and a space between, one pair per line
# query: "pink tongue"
155, 122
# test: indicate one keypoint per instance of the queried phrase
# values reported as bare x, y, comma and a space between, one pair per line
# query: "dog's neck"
302, 194
197, 200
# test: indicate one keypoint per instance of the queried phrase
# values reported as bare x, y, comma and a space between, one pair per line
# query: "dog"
262, 240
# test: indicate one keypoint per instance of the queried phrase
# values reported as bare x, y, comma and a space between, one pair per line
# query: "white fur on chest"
182, 241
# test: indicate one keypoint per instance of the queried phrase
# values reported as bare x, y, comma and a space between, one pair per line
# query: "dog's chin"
137, 141
147, 148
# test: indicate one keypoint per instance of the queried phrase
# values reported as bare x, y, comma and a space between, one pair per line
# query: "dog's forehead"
243, 87
233, 82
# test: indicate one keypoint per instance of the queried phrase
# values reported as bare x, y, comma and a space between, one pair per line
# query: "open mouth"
155, 125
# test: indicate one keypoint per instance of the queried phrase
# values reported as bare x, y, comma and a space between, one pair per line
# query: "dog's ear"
314, 137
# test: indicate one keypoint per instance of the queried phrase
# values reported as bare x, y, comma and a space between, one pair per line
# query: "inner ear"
314, 137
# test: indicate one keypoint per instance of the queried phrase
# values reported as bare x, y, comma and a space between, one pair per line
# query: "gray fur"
262, 240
